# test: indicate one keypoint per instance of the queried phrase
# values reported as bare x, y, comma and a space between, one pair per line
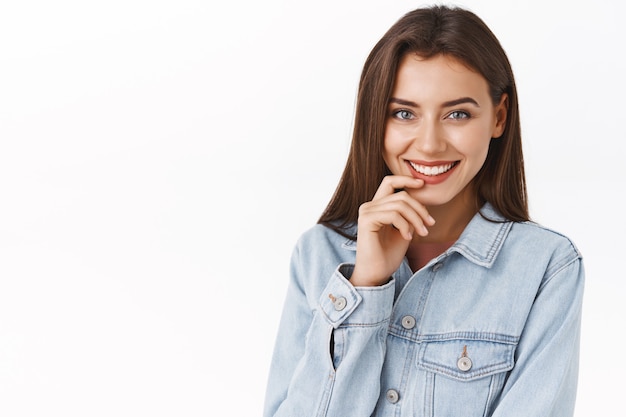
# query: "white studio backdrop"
159, 159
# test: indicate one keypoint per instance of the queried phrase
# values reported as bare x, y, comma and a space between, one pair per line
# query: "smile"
432, 171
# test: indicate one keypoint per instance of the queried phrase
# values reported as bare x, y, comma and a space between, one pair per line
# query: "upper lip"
430, 163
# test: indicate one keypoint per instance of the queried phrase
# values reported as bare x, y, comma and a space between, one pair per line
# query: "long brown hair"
428, 32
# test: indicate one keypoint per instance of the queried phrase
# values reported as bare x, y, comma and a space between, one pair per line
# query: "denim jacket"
489, 328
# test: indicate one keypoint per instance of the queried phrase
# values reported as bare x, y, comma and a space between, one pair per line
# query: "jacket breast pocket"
464, 377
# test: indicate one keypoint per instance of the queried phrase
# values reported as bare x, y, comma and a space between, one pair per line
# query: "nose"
428, 137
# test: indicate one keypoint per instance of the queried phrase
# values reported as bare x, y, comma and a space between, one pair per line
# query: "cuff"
342, 302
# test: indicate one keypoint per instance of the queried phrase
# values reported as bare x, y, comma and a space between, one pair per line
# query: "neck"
451, 218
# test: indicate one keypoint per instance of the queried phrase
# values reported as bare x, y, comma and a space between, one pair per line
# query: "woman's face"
439, 124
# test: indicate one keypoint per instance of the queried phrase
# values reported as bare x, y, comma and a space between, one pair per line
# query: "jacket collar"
482, 239
484, 236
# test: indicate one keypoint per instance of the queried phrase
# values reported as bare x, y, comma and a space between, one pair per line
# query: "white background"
158, 160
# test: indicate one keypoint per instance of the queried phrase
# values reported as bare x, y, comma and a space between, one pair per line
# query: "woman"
425, 289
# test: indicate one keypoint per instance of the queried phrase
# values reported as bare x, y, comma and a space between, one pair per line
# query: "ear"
501, 111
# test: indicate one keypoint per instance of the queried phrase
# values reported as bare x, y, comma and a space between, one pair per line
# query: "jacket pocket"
464, 376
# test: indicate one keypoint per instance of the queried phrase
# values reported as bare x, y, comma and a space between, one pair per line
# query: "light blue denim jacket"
489, 328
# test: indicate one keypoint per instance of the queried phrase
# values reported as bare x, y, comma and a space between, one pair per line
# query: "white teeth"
431, 171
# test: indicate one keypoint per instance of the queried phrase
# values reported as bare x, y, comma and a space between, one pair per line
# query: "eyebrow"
450, 103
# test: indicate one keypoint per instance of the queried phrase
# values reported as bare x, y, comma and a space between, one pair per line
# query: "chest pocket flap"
466, 359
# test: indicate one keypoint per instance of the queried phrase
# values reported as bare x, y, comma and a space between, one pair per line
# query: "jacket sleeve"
330, 346
544, 379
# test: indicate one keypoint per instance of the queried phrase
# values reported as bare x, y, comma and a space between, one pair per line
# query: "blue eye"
459, 115
403, 114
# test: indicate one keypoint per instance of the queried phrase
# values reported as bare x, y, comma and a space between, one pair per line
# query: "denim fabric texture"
491, 327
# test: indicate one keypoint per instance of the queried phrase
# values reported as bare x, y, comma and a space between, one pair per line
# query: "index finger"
391, 183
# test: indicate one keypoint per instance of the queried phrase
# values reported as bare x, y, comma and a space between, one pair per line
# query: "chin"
432, 199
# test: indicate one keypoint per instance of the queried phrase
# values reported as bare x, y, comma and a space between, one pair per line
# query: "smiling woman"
425, 289
434, 136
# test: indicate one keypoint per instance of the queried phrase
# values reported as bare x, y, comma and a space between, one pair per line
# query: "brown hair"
428, 32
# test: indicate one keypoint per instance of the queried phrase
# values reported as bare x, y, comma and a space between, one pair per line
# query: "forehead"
439, 77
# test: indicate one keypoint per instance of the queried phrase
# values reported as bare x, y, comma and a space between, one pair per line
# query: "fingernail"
431, 221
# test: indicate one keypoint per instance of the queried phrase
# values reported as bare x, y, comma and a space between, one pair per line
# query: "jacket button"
464, 364
340, 303
392, 396
408, 322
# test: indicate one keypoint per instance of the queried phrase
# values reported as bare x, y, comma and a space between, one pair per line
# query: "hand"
385, 228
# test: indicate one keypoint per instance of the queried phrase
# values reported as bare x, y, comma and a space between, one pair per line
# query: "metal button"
437, 266
408, 322
340, 303
392, 396
464, 363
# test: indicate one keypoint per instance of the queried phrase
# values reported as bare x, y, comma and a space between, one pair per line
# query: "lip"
432, 179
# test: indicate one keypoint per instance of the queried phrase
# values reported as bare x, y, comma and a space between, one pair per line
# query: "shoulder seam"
565, 265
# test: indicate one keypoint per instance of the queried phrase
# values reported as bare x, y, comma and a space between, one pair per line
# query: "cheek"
473, 143
387, 157
393, 145
389, 147
477, 155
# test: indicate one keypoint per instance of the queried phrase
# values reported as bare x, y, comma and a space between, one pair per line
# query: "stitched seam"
556, 272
